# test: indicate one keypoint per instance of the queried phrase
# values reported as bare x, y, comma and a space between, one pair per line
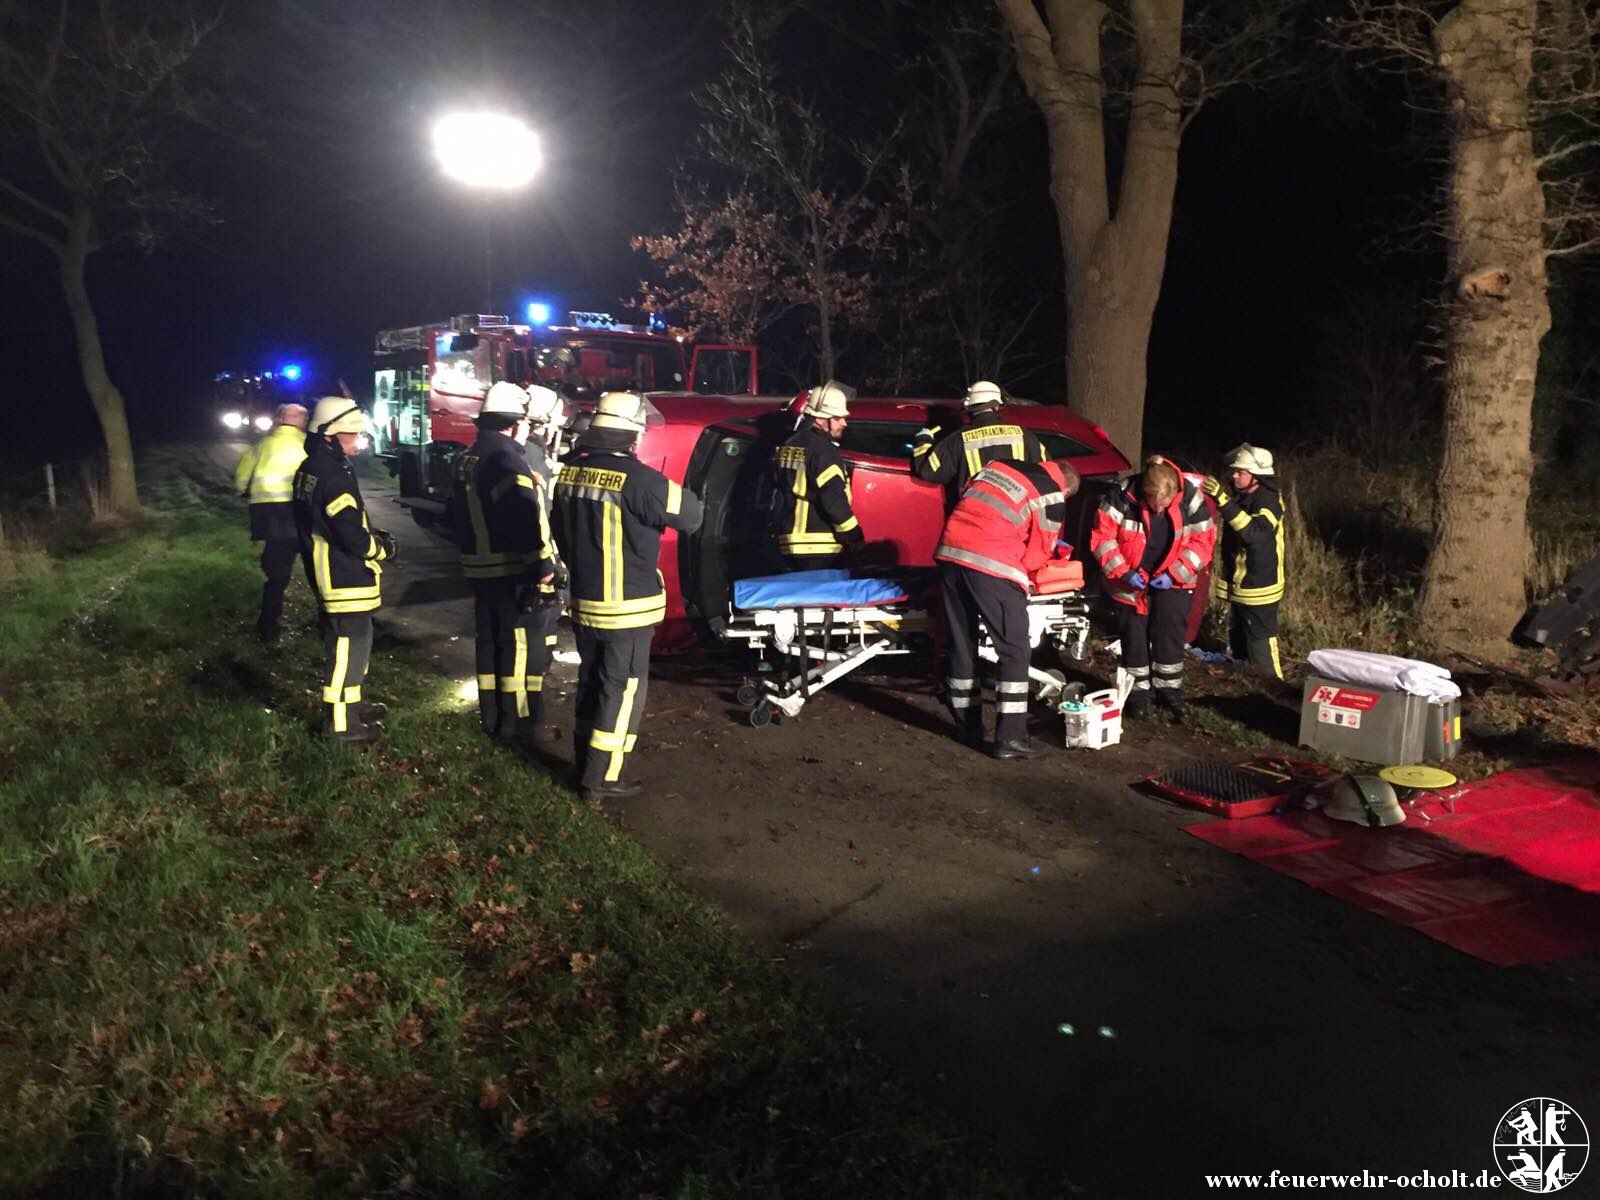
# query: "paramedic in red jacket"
1153, 541
1002, 530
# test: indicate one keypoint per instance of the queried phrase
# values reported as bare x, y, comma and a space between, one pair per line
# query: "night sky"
336, 223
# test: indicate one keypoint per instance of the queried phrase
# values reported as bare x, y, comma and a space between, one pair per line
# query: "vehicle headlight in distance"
263, 423
233, 420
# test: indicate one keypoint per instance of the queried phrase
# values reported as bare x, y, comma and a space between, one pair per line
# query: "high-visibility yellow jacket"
265, 476
1251, 571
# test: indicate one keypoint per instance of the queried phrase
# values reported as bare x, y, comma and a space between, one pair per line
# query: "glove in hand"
1211, 487
388, 543
1137, 581
1161, 582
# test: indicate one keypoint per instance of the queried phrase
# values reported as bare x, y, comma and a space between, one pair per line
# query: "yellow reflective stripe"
519, 669
1239, 521
802, 518
827, 474
638, 604
920, 449
533, 683
614, 770
933, 461
1277, 663
338, 504
486, 683
674, 499
847, 526
974, 462
625, 621
611, 553
341, 668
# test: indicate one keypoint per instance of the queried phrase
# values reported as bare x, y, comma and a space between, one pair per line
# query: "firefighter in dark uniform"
506, 552
1251, 575
1003, 529
817, 520
547, 420
988, 437
265, 476
342, 556
609, 510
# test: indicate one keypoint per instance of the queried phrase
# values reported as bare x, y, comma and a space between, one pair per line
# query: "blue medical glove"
1161, 582
1138, 580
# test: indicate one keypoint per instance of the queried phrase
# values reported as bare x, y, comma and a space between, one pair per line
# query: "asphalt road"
962, 913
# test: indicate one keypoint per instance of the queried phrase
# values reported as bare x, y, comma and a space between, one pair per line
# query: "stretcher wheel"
747, 695
761, 715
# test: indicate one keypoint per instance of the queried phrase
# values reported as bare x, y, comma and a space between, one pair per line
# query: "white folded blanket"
1385, 671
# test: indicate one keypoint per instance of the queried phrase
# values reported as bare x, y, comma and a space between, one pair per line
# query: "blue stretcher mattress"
816, 589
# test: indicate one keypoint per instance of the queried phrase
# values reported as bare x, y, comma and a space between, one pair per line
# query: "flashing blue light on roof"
538, 313
291, 371
658, 323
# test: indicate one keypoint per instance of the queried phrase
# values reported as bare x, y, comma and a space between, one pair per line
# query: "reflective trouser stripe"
1011, 696
1167, 675
962, 693
519, 670
486, 683
1140, 677
534, 683
1277, 663
334, 692
615, 741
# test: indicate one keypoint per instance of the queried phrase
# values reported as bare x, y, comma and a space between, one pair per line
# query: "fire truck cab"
430, 380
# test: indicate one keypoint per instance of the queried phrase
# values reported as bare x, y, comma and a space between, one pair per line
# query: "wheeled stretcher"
812, 628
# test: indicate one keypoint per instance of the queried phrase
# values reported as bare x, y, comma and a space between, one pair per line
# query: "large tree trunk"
1498, 313
1115, 252
103, 394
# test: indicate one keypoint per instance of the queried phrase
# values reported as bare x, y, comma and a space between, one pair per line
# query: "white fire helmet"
1363, 800
545, 406
338, 414
621, 410
983, 392
1250, 458
831, 399
505, 400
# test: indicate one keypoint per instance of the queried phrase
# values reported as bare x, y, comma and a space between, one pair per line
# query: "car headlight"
263, 423
233, 420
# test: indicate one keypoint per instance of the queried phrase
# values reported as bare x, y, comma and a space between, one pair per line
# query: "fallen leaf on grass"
490, 1095
409, 1031
581, 962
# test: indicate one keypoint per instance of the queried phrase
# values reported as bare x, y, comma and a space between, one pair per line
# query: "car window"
889, 439
1059, 445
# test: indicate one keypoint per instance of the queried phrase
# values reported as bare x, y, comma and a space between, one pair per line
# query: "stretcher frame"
812, 647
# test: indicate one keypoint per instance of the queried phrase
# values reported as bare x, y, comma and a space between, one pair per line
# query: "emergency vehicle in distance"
716, 437
244, 401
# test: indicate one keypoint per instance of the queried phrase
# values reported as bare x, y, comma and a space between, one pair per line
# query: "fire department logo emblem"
1541, 1144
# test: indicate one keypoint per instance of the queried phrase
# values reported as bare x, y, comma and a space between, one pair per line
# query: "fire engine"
244, 401
429, 381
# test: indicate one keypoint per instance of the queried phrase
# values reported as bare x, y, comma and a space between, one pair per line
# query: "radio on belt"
1377, 725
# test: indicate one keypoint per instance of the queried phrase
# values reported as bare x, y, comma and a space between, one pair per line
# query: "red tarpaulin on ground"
1511, 876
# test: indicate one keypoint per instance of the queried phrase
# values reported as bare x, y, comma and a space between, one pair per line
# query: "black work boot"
1137, 706
621, 789
1171, 699
1023, 747
356, 732
969, 722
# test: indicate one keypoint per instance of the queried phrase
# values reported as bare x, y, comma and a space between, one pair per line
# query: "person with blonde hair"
1153, 540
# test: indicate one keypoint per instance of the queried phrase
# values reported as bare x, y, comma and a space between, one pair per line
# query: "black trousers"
278, 556
613, 678
1152, 643
347, 639
969, 595
1253, 635
511, 661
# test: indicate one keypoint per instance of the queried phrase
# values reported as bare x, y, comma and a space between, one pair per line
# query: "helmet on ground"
1363, 800
545, 406
831, 399
621, 410
983, 392
505, 400
338, 414
1250, 458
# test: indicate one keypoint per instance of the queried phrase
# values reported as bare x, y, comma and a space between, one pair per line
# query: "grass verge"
234, 960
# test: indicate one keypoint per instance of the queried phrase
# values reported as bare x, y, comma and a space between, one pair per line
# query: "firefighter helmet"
984, 393
1250, 458
831, 399
545, 406
505, 400
621, 410
338, 414
1363, 800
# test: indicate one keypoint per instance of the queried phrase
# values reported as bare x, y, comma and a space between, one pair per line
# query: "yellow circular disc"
1416, 777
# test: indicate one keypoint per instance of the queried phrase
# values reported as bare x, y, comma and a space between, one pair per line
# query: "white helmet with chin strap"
338, 414
1362, 800
505, 400
829, 400
1250, 458
545, 406
982, 393
621, 410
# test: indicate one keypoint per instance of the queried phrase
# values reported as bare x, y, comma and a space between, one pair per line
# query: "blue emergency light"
538, 313
291, 371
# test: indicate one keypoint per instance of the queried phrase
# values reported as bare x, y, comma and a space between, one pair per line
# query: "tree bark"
1114, 251
1497, 314
103, 394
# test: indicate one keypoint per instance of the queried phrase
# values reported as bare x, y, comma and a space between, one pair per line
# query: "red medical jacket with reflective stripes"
1007, 521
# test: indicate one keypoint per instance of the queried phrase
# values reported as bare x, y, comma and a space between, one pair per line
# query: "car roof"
690, 408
